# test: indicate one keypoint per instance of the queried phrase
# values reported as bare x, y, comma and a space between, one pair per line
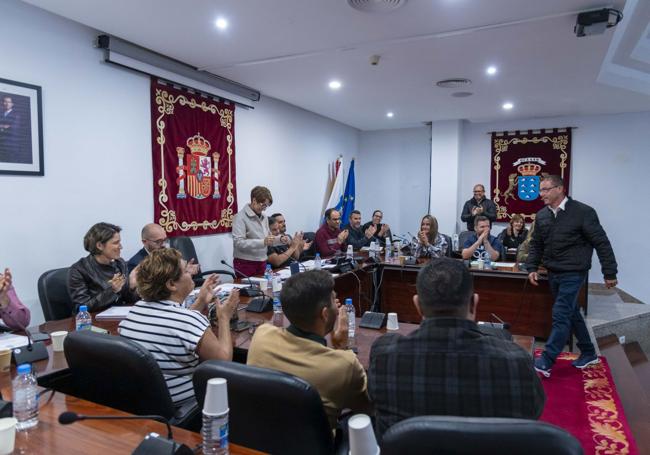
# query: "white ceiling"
290, 49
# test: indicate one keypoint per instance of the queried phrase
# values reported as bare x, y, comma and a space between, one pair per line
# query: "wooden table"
506, 294
93, 436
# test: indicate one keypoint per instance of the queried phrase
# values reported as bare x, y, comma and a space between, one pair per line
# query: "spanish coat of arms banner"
193, 157
519, 161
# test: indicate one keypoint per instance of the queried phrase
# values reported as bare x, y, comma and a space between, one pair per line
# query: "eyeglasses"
157, 242
336, 220
546, 190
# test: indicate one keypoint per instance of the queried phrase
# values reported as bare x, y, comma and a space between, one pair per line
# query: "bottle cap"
83, 308
24, 368
348, 301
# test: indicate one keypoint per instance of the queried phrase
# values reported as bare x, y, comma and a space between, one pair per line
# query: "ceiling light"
507, 106
335, 85
221, 23
389, 114
491, 70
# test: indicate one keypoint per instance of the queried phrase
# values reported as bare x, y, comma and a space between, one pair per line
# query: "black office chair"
53, 294
270, 411
462, 237
311, 252
447, 435
449, 245
186, 246
119, 373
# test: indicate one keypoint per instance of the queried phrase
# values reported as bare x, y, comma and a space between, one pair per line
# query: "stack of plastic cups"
362, 436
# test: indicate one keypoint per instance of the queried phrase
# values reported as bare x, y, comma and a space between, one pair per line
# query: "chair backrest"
53, 294
270, 411
462, 237
477, 436
449, 245
116, 372
186, 246
309, 237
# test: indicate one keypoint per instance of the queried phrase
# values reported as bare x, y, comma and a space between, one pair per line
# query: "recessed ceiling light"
507, 106
389, 114
221, 23
491, 70
335, 85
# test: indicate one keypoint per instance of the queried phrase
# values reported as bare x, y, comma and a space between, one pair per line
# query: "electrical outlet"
621, 339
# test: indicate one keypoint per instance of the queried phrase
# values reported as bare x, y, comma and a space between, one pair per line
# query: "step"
634, 353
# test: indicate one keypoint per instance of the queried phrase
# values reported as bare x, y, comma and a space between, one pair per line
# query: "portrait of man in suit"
15, 130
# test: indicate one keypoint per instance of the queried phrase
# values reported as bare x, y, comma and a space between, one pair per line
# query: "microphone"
152, 443
252, 290
33, 352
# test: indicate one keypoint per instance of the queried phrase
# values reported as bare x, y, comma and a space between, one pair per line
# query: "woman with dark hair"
101, 279
515, 233
429, 242
178, 337
14, 314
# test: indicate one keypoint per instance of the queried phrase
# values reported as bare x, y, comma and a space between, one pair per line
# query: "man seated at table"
289, 251
382, 231
481, 244
358, 237
310, 304
154, 238
447, 366
330, 239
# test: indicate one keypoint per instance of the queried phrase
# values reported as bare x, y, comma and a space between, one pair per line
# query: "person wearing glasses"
382, 231
251, 235
478, 205
101, 279
154, 238
566, 233
330, 239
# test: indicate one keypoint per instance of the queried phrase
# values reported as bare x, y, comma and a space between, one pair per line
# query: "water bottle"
349, 254
351, 321
215, 434
389, 251
83, 321
25, 395
317, 262
372, 250
454, 243
268, 276
277, 306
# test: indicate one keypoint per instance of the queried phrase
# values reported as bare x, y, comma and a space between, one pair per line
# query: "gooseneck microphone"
66, 418
252, 290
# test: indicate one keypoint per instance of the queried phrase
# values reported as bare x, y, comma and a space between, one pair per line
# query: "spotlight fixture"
595, 22
221, 23
491, 70
389, 114
507, 106
335, 85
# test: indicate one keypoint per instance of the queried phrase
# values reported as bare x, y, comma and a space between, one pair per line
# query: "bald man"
154, 238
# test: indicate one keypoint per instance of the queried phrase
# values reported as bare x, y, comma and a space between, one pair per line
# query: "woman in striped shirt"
178, 337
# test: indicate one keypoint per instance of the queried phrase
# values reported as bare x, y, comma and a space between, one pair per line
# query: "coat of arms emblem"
528, 181
199, 176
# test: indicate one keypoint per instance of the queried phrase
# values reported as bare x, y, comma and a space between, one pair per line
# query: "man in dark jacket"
478, 205
566, 233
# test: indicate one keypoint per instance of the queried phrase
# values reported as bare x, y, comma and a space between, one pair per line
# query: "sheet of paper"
115, 312
11, 341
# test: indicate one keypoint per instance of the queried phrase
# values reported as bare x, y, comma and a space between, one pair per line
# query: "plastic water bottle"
215, 434
268, 276
349, 254
277, 306
83, 321
372, 250
25, 394
351, 321
454, 242
317, 262
389, 251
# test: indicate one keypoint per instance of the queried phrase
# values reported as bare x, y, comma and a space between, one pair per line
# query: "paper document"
227, 287
11, 341
115, 312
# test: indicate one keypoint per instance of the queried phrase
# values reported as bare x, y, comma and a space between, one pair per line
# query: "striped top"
171, 334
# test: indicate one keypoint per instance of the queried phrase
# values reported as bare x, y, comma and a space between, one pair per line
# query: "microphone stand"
251, 290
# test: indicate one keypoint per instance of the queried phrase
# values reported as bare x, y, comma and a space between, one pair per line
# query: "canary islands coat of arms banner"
193, 156
520, 160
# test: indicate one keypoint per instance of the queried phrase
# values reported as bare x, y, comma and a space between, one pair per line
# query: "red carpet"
585, 403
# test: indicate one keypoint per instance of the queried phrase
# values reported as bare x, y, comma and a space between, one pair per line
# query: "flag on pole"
336, 197
348, 195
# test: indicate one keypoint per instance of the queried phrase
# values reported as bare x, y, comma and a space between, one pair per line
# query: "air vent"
454, 83
376, 6
461, 94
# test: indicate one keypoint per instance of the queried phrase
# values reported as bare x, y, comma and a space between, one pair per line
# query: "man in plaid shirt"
447, 366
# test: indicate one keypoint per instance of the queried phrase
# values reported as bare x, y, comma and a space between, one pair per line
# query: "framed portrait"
21, 129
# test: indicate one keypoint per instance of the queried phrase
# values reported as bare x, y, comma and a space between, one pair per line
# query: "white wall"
610, 166
97, 141
445, 170
392, 174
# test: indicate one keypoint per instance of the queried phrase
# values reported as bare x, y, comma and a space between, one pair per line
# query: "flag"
336, 197
348, 196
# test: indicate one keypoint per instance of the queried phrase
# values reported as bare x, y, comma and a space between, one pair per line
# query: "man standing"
382, 231
482, 244
478, 205
448, 366
251, 234
330, 239
566, 233
309, 303
358, 237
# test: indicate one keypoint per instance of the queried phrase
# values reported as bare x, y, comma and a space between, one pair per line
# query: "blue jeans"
566, 314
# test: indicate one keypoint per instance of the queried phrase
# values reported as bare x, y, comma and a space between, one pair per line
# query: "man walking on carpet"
566, 233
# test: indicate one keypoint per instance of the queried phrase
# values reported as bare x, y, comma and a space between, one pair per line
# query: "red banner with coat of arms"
520, 159
193, 156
